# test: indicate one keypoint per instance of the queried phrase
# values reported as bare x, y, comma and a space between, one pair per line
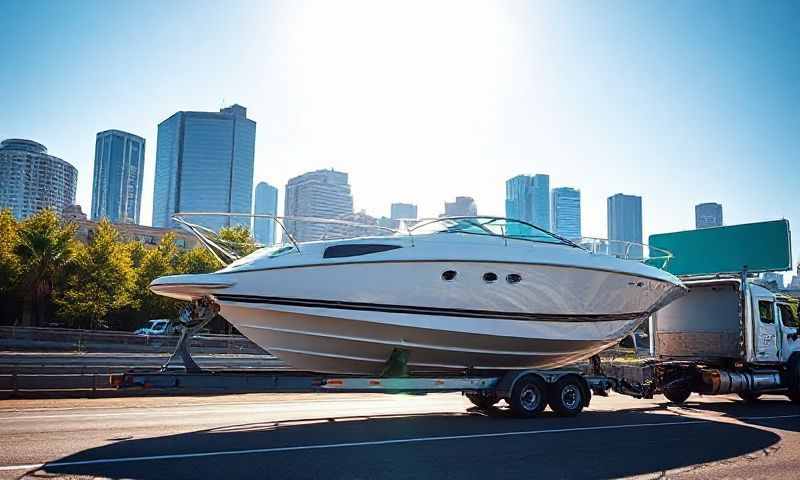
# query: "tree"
100, 282
198, 260
10, 267
157, 262
45, 246
238, 239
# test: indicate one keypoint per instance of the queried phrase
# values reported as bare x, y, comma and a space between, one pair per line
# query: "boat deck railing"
356, 226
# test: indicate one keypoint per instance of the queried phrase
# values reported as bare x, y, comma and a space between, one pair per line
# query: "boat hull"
360, 342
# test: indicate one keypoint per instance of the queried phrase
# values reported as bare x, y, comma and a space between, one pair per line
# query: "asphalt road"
393, 436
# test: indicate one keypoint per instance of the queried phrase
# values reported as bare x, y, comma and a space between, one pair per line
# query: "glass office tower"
204, 163
625, 223
566, 212
118, 176
528, 199
266, 204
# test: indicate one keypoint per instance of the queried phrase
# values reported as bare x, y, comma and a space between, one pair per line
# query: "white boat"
454, 293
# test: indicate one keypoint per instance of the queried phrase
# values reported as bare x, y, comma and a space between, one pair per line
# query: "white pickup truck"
727, 335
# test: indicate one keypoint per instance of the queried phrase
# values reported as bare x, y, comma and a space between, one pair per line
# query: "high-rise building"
566, 212
462, 207
118, 176
528, 199
625, 225
31, 180
708, 215
403, 211
204, 163
266, 204
320, 194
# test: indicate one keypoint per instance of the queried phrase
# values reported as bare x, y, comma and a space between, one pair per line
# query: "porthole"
513, 278
449, 275
489, 277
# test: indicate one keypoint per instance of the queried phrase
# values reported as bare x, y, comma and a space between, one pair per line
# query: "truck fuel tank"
721, 382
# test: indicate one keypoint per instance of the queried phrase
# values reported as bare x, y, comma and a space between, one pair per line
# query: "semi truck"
727, 335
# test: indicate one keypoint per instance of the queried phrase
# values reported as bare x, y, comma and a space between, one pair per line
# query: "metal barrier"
73, 340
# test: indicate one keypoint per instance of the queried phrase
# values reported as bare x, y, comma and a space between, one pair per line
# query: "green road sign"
760, 247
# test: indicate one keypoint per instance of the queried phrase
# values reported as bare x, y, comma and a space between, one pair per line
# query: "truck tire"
481, 401
793, 378
528, 397
677, 393
749, 397
567, 396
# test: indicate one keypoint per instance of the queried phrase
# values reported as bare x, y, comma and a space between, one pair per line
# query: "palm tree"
44, 249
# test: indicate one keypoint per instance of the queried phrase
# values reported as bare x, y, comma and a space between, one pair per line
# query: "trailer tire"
481, 401
528, 397
749, 397
567, 396
677, 393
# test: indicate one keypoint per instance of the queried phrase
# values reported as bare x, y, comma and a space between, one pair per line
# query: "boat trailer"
527, 392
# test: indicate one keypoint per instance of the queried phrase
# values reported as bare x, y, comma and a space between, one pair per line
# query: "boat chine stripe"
446, 312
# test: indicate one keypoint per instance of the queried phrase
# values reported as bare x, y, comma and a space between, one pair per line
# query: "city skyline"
702, 104
565, 208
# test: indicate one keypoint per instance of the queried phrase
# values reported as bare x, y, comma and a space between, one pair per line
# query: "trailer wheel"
567, 397
481, 401
793, 378
529, 396
749, 397
677, 393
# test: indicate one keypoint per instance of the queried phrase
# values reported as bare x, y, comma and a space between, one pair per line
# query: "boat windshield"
496, 226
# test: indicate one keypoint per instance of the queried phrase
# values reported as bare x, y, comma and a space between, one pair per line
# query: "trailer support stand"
191, 320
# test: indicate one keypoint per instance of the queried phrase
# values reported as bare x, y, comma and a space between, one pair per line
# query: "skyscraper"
118, 176
204, 163
566, 212
708, 215
528, 199
462, 207
625, 224
320, 194
403, 211
266, 204
31, 180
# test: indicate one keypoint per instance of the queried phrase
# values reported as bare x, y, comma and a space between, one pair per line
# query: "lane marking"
39, 466
234, 408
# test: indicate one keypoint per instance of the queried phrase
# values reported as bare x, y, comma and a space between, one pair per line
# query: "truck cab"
728, 334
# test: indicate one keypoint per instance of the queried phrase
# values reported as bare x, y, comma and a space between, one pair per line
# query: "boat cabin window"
788, 315
356, 249
502, 227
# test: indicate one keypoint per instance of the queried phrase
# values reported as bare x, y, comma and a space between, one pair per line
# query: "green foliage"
45, 246
238, 239
157, 262
10, 266
101, 284
100, 281
198, 260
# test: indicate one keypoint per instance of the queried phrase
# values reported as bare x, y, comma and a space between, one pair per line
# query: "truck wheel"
529, 396
793, 378
481, 401
566, 397
749, 397
677, 393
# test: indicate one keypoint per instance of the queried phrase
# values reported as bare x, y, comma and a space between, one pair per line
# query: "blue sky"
680, 102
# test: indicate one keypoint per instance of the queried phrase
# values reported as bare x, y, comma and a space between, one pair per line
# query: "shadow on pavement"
593, 445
